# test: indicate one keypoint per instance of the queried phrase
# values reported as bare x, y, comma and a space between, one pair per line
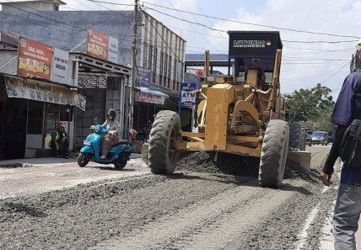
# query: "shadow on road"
108, 168
22, 208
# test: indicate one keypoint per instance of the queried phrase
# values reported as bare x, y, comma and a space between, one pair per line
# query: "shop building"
44, 85
160, 50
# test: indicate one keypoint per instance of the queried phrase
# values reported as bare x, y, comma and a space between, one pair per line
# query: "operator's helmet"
112, 113
357, 59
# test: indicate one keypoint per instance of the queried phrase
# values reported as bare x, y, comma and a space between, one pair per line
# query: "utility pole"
134, 67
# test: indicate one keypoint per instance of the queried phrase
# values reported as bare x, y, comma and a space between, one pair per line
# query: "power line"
225, 31
121, 4
33, 13
320, 41
156, 30
256, 24
334, 74
82, 28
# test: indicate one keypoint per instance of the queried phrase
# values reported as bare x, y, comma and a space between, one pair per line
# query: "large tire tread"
159, 142
274, 154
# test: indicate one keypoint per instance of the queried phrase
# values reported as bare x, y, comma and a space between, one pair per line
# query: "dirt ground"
199, 207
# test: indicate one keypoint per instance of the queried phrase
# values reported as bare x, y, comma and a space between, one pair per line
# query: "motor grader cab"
241, 114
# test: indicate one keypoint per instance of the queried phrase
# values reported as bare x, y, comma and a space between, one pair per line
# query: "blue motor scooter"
118, 154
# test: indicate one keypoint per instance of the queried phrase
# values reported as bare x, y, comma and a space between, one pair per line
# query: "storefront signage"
113, 49
254, 44
17, 87
102, 46
148, 98
59, 69
144, 77
34, 59
251, 43
188, 95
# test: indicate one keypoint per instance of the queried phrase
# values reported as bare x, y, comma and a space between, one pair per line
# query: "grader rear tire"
274, 154
162, 155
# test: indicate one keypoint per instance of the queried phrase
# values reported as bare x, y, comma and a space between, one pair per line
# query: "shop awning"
148, 95
18, 87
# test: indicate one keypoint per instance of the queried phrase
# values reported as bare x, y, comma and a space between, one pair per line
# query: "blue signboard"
188, 95
144, 78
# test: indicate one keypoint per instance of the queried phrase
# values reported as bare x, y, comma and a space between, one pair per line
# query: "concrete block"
301, 158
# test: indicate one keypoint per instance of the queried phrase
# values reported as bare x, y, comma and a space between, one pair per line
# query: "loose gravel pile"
232, 164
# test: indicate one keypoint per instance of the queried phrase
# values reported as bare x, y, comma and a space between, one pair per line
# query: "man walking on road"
348, 204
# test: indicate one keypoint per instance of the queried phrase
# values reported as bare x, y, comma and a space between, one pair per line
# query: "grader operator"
242, 113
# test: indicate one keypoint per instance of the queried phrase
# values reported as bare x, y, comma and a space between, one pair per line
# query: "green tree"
311, 107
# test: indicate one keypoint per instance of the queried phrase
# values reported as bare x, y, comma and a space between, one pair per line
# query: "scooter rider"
112, 137
348, 205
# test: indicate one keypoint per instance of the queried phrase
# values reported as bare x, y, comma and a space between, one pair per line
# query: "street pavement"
52, 203
41, 175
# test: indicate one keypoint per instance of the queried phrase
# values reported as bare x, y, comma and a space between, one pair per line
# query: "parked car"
330, 137
320, 137
308, 139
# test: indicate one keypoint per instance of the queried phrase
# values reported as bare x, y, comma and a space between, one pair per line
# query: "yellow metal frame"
214, 117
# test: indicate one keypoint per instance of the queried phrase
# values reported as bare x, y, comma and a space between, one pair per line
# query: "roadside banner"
149, 98
97, 44
59, 69
102, 46
35, 59
188, 95
113, 49
17, 87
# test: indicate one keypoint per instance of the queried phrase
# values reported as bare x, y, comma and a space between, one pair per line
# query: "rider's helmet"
112, 113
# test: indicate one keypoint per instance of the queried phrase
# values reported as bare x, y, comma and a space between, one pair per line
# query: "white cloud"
330, 16
341, 16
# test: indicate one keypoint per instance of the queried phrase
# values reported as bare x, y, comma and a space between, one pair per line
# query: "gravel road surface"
202, 209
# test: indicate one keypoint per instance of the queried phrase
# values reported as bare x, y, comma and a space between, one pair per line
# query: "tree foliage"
311, 107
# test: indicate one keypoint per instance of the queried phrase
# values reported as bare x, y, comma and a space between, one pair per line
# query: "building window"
175, 70
161, 72
169, 66
165, 67
145, 55
150, 57
155, 63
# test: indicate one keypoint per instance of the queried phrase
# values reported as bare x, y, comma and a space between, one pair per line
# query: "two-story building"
160, 59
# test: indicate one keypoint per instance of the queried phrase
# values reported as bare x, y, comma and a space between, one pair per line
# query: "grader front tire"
274, 154
162, 154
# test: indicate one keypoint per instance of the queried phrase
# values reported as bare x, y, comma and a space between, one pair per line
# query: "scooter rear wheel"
120, 162
83, 159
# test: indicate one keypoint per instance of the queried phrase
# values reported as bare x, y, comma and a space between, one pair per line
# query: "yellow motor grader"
240, 114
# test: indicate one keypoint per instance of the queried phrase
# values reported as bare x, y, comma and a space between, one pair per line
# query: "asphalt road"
189, 210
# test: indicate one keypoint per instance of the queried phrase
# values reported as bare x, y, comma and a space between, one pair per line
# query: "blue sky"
304, 65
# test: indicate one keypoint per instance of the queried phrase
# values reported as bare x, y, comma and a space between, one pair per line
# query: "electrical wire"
120, 4
225, 31
334, 74
255, 24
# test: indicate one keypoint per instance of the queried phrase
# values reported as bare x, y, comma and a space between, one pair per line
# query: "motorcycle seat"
121, 142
